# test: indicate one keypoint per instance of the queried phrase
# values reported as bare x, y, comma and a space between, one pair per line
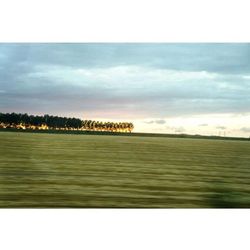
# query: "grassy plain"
58, 170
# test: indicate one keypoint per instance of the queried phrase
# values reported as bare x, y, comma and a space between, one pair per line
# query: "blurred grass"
55, 170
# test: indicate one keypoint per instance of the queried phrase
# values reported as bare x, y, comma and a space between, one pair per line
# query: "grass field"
58, 170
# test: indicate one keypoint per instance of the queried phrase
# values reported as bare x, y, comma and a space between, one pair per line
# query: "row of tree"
48, 120
108, 126
25, 121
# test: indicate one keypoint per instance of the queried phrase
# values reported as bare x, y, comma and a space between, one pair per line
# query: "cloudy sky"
165, 88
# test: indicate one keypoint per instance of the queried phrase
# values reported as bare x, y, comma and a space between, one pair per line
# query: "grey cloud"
226, 58
179, 129
203, 125
142, 104
221, 127
176, 129
228, 92
245, 129
159, 121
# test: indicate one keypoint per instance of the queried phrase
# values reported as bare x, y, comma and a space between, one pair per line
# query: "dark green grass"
84, 132
58, 170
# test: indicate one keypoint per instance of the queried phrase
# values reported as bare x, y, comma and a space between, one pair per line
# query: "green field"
64, 170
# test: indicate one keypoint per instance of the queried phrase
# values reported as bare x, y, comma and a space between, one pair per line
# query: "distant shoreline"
77, 132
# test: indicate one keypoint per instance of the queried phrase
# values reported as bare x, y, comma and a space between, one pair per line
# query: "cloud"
221, 127
132, 80
179, 129
159, 121
203, 125
245, 129
176, 129
224, 58
132, 88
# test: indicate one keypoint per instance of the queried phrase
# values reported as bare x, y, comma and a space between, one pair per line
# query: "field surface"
58, 170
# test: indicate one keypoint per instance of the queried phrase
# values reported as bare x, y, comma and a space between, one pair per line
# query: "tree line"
108, 126
25, 121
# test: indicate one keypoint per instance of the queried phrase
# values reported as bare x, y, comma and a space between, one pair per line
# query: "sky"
193, 88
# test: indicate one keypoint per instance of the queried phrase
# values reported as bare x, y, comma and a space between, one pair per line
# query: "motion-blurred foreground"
54, 170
